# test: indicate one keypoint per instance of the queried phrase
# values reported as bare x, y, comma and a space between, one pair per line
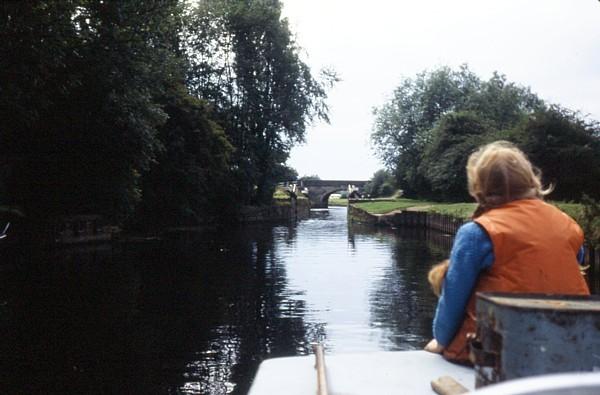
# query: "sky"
552, 46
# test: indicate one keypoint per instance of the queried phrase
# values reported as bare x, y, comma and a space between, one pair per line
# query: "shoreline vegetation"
457, 210
143, 113
448, 217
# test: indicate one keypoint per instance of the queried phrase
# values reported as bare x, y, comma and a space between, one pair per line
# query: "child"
515, 243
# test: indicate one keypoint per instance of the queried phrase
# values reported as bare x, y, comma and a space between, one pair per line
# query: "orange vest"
535, 250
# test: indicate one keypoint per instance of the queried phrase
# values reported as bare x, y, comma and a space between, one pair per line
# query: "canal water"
197, 312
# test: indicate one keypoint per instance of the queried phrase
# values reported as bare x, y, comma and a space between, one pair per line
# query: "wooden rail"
322, 388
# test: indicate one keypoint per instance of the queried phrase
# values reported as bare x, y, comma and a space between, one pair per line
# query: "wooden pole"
320, 366
446, 385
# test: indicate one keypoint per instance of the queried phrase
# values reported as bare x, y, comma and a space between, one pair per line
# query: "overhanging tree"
245, 62
189, 183
78, 103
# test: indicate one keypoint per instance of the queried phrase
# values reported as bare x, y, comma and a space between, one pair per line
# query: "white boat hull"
399, 372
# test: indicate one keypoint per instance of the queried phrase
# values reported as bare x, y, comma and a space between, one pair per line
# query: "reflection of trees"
66, 322
195, 314
229, 310
401, 302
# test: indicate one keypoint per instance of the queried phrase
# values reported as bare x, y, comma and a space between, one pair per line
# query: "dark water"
195, 314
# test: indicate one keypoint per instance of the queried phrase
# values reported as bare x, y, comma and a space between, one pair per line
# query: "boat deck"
398, 372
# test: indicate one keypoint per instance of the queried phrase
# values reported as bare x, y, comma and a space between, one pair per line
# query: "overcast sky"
553, 46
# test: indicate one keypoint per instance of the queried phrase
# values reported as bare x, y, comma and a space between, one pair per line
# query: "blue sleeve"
581, 255
472, 252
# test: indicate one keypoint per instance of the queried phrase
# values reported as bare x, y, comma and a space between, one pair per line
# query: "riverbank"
409, 217
281, 210
338, 202
461, 210
447, 218
285, 206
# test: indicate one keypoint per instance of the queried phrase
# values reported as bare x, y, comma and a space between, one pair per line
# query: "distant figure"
515, 243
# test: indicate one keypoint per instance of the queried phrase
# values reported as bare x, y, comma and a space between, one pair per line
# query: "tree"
454, 138
566, 148
285, 173
381, 184
96, 114
245, 62
404, 127
189, 182
78, 106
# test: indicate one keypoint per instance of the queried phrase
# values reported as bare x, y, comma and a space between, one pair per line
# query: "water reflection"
197, 312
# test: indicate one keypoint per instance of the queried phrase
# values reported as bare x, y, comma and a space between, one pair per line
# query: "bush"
590, 221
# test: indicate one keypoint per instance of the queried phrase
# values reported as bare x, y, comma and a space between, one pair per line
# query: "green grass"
386, 206
574, 210
282, 198
459, 210
338, 202
281, 194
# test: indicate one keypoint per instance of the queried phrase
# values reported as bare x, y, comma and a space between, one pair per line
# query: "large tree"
566, 147
189, 183
381, 184
96, 114
443, 165
246, 63
78, 108
405, 126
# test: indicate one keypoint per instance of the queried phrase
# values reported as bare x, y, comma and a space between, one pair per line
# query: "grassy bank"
338, 202
384, 206
458, 210
281, 197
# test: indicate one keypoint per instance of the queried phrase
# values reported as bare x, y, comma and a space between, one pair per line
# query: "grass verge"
338, 202
387, 205
458, 210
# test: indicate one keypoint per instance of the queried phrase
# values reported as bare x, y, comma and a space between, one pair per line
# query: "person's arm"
581, 255
472, 252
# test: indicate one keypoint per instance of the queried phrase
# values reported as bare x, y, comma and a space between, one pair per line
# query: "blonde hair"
437, 275
499, 173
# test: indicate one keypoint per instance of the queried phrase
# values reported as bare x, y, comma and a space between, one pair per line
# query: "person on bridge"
515, 243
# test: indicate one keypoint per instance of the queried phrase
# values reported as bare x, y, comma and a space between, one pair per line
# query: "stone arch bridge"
320, 190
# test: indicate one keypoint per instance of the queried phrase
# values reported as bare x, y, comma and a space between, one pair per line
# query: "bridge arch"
320, 190
325, 196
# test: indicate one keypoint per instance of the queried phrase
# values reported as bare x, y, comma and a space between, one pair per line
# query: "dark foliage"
381, 184
567, 150
78, 109
96, 115
245, 62
190, 182
426, 132
453, 139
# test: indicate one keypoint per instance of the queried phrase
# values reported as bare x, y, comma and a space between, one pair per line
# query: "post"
320, 366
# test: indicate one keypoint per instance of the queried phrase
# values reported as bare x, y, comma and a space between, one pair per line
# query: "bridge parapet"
318, 191
331, 183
